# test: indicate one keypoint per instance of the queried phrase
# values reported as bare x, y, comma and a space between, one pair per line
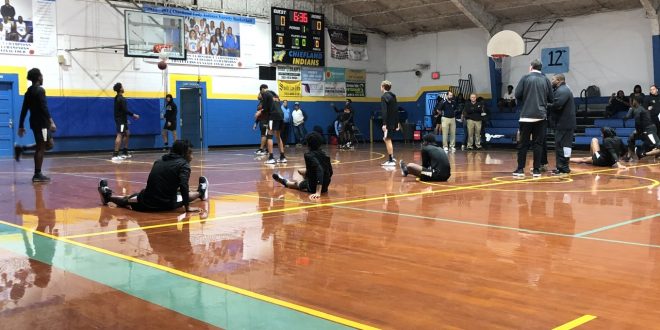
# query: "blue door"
191, 115
6, 123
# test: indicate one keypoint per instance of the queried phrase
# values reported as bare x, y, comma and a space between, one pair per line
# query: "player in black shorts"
435, 164
390, 113
167, 186
608, 154
271, 106
121, 122
41, 124
170, 120
317, 172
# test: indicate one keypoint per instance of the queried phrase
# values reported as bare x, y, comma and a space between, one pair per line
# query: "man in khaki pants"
473, 113
448, 119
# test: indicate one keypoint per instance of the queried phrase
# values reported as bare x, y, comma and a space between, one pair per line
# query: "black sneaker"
40, 178
519, 173
279, 179
559, 172
404, 168
18, 150
104, 192
640, 153
203, 188
536, 173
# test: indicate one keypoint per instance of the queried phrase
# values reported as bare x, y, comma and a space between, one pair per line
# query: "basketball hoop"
498, 58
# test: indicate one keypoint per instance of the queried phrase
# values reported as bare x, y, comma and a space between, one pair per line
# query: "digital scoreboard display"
297, 37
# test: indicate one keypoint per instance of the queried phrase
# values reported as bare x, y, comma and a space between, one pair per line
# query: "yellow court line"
247, 293
344, 202
575, 323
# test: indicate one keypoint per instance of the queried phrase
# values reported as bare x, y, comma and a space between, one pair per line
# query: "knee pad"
269, 136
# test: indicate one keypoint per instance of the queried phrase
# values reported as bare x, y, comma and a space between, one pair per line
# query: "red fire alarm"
435, 75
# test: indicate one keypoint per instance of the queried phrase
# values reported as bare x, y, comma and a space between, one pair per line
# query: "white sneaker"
117, 158
203, 188
389, 163
282, 161
446, 149
453, 149
271, 161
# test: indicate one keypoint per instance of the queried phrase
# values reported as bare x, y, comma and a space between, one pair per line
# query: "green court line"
616, 225
202, 301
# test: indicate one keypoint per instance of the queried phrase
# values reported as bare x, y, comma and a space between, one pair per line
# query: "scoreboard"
298, 37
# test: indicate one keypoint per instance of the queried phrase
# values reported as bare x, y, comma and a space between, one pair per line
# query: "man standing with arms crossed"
534, 91
565, 123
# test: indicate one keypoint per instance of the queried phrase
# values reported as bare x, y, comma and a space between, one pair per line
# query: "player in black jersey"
121, 122
435, 164
170, 120
271, 106
607, 154
41, 124
317, 172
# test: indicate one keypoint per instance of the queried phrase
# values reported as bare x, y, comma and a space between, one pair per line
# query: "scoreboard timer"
298, 37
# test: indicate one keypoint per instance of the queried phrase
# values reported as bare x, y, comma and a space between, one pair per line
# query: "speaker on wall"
267, 73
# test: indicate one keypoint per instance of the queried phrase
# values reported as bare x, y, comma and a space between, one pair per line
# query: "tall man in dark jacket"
390, 113
652, 103
534, 92
563, 108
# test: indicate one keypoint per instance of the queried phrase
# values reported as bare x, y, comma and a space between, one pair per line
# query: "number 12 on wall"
555, 60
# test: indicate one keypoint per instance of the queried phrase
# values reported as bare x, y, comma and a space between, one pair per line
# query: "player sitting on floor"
435, 164
607, 154
317, 172
167, 186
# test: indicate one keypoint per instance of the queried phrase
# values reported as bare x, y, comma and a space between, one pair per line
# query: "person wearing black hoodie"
534, 92
170, 120
647, 131
563, 108
607, 154
652, 103
167, 185
390, 113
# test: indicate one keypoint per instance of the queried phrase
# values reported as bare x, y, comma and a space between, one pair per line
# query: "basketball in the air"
162, 65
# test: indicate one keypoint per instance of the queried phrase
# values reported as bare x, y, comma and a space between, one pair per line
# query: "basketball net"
498, 59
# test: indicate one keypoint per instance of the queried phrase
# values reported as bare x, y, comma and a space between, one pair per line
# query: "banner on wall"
357, 49
29, 28
214, 39
313, 88
335, 89
356, 75
355, 89
289, 88
312, 74
288, 72
338, 44
335, 74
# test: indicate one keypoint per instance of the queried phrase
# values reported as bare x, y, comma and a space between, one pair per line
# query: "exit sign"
435, 75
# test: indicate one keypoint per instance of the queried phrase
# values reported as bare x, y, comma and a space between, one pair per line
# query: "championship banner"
338, 44
214, 39
288, 72
313, 88
289, 88
335, 89
355, 89
335, 74
312, 74
356, 75
357, 49
29, 27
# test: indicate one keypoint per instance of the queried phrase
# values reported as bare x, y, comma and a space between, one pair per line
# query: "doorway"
6, 119
191, 115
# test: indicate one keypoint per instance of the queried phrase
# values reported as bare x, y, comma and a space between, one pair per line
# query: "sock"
166, 143
115, 153
37, 171
282, 156
125, 151
391, 157
270, 156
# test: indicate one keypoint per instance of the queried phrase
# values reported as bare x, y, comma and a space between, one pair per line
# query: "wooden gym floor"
482, 251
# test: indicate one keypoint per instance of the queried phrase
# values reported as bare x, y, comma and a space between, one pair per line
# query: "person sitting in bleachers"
508, 102
637, 94
618, 103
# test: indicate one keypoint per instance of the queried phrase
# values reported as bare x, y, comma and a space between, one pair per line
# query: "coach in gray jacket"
563, 108
534, 92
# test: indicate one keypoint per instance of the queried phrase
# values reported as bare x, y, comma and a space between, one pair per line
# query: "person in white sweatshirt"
299, 117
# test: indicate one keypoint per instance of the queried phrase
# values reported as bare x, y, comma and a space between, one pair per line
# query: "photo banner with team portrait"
355, 89
29, 27
214, 39
335, 89
289, 88
357, 48
313, 88
338, 44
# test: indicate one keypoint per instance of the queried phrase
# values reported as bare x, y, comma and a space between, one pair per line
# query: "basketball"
162, 65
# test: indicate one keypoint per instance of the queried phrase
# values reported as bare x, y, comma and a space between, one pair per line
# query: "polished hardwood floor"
481, 251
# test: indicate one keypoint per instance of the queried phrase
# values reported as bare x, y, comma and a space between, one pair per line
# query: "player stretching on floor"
435, 164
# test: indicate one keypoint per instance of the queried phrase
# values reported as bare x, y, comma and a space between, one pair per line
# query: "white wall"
452, 53
611, 50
